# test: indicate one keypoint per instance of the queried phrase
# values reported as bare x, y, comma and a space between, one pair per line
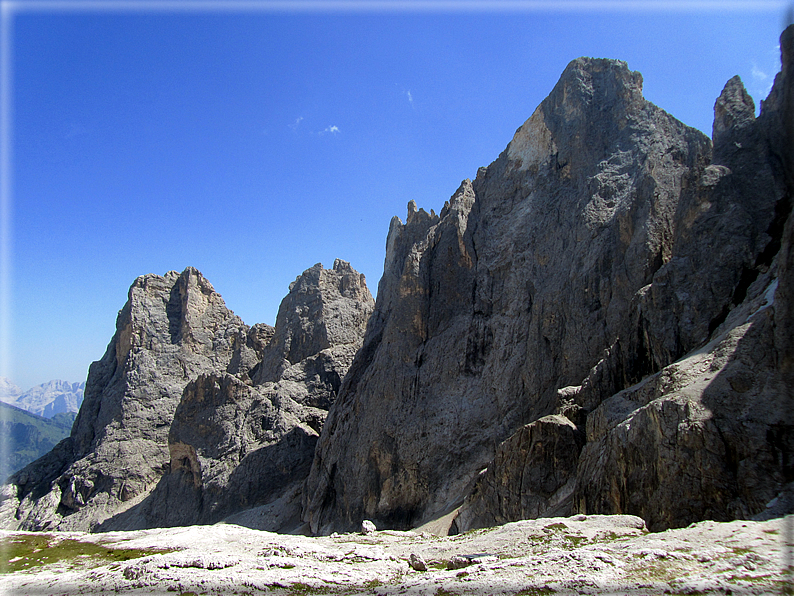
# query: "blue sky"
254, 140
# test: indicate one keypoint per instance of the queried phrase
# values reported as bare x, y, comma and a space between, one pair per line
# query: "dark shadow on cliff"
262, 477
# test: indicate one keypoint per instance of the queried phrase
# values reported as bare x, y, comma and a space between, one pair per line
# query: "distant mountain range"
34, 421
47, 399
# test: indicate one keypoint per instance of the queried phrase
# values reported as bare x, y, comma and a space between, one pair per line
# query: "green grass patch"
556, 526
610, 536
541, 591
23, 552
749, 578
577, 541
301, 588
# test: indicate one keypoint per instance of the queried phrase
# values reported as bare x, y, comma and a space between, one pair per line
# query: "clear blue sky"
253, 143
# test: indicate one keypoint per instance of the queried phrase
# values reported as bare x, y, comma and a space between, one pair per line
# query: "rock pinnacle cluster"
599, 322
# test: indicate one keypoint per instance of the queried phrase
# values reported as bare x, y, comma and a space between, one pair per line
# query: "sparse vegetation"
532, 591
556, 526
23, 552
575, 540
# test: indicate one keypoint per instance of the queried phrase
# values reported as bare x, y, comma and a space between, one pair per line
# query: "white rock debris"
574, 555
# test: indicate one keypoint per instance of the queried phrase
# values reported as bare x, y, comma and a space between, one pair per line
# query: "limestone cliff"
606, 242
171, 329
599, 322
172, 402
237, 443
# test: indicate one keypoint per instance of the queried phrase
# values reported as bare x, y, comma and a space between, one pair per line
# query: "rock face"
599, 323
244, 440
711, 435
172, 429
172, 329
607, 242
533, 475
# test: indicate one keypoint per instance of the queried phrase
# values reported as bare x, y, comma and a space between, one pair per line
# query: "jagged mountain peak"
175, 340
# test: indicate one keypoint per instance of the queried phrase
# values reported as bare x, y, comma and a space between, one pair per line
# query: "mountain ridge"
46, 399
597, 324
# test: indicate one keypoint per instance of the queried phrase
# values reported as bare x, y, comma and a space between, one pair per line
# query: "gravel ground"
575, 555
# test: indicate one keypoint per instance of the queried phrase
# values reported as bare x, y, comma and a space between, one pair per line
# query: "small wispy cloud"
758, 74
295, 124
762, 80
410, 97
333, 129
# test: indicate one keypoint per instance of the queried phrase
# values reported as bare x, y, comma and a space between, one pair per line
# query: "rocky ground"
574, 555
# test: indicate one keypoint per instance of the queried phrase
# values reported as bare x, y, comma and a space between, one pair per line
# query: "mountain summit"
598, 323
591, 325
162, 399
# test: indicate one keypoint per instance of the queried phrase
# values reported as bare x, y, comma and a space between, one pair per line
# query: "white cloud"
758, 74
333, 129
295, 124
410, 97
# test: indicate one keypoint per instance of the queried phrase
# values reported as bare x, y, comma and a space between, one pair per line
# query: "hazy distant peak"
8, 390
50, 398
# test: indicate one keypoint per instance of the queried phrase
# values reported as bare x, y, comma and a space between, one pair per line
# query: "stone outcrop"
513, 292
532, 475
173, 428
599, 323
712, 434
171, 329
607, 242
240, 441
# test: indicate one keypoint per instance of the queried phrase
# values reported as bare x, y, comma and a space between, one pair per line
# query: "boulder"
533, 475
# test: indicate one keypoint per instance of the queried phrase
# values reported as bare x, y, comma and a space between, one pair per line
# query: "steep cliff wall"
238, 443
171, 329
599, 322
174, 429
605, 243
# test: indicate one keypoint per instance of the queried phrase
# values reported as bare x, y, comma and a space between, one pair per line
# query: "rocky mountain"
242, 440
598, 323
54, 397
9, 392
47, 399
28, 436
174, 427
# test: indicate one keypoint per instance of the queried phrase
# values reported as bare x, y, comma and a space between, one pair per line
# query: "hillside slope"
29, 436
